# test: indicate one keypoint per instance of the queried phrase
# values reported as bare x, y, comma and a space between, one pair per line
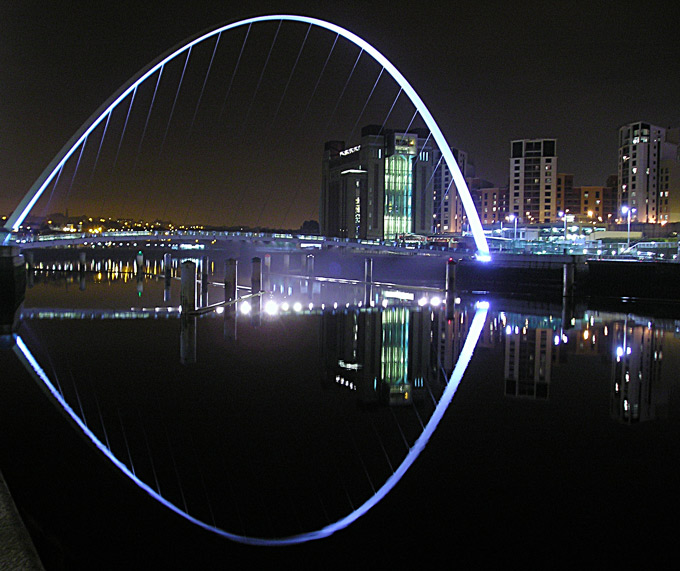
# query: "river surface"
331, 423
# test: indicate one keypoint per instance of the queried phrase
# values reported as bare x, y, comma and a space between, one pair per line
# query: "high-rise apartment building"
449, 213
380, 188
669, 190
565, 200
642, 148
533, 172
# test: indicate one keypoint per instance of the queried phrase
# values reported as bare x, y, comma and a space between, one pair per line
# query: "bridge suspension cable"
104, 114
357, 510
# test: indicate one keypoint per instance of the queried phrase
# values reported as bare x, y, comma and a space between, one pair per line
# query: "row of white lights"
271, 307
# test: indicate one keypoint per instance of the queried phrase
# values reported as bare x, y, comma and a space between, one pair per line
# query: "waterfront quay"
543, 275
581, 276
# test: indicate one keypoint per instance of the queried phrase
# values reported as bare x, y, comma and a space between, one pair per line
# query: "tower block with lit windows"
380, 188
449, 214
648, 172
533, 172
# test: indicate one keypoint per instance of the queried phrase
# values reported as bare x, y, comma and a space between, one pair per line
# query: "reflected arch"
36, 191
27, 359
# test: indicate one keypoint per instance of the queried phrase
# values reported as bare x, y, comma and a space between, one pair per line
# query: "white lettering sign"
350, 151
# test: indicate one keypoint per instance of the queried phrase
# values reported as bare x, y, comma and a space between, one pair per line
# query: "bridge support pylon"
187, 296
12, 287
230, 279
450, 287
167, 269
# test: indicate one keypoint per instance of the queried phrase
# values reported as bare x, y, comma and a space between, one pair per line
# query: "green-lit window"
398, 195
394, 358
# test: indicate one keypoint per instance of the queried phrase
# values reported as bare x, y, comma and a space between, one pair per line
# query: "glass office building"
380, 188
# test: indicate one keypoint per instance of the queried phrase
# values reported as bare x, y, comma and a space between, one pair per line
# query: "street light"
627, 211
563, 215
511, 218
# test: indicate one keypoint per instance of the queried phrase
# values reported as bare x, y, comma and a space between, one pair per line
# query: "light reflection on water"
285, 422
277, 424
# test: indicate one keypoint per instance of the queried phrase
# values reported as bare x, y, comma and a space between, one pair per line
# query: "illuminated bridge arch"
81, 135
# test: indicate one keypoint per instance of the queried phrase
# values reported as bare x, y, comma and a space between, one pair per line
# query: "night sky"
489, 72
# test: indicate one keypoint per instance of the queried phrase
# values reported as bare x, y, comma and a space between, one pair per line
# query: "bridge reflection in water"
280, 450
289, 422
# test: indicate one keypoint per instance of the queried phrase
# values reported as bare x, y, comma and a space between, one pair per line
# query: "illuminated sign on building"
350, 151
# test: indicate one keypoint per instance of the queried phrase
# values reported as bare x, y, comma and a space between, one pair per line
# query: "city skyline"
488, 74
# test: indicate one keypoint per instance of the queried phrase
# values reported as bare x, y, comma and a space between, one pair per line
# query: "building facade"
449, 214
593, 200
533, 172
642, 149
565, 199
669, 193
380, 188
491, 204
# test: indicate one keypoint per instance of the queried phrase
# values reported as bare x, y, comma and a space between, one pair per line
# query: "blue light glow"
476, 327
34, 193
27, 203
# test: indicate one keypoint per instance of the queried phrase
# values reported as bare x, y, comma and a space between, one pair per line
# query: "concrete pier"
204, 280
368, 270
368, 281
266, 272
450, 287
187, 339
230, 279
231, 324
187, 296
12, 286
256, 276
167, 269
568, 271
187, 293
256, 287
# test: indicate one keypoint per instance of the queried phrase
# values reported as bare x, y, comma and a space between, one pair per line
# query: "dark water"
560, 443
